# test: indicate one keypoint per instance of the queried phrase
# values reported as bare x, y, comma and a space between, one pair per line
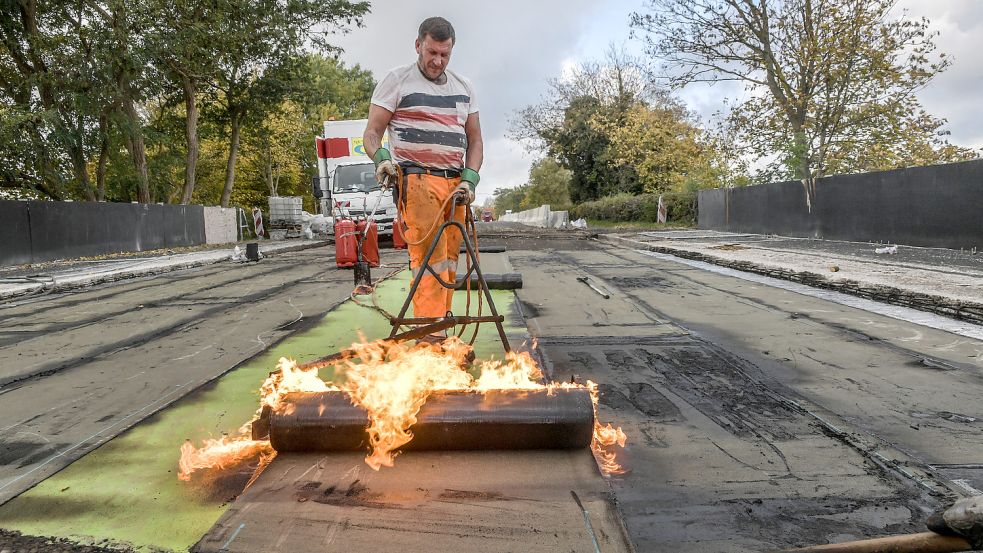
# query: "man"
432, 119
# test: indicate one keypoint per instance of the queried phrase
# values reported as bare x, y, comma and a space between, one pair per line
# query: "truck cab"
356, 193
346, 181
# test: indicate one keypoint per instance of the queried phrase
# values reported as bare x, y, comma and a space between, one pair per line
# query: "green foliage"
99, 99
680, 206
549, 184
509, 199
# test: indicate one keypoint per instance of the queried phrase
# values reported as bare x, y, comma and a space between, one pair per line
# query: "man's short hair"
438, 28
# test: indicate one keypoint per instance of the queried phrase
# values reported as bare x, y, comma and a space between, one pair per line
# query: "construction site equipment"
500, 248
562, 418
402, 320
501, 281
369, 231
399, 243
346, 176
285, 210
924, 542
449, 420
587, 281
345, 244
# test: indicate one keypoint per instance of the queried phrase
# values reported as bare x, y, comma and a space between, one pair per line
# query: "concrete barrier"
220, 225
540, 216
934, 206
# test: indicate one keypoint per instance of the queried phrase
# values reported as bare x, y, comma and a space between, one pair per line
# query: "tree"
53, 86
667, 150
508, 199
549, 183
829, 82
566, 124
618, 135
101, 99
269, 36
272, 151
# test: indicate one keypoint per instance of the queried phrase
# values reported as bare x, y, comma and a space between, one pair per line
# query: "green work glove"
469, 181
386, 171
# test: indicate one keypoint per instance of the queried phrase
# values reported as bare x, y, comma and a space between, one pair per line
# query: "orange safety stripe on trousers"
424, 197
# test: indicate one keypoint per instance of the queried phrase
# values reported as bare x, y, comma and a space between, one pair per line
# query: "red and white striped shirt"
427, 126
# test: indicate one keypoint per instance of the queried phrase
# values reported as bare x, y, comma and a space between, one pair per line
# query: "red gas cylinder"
345, 253
399, 243
370, 244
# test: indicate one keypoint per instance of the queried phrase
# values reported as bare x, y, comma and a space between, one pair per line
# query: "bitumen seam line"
141, 339
113, 276
162, 302
960, 310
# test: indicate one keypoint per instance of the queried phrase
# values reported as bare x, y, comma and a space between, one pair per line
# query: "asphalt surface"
77, 369
758, 418
763, 418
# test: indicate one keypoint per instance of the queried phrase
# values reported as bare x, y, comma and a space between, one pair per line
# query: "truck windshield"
355, 178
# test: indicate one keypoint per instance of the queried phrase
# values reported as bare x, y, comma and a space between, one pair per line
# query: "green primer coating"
127, 491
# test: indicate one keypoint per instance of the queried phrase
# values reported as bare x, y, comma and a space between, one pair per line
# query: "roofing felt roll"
452, 420
495, 281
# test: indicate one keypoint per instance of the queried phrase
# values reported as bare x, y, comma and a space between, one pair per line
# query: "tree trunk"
136, 146
268, 173
76, 153
81, 172
103, 158
804, 164
191, 108
230, 168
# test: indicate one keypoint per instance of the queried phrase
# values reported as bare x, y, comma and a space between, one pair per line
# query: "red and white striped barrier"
258, 222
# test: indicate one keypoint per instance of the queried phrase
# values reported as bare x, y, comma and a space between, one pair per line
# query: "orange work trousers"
422, 198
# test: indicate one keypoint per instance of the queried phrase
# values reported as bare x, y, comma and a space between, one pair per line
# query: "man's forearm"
372, 141
475, 155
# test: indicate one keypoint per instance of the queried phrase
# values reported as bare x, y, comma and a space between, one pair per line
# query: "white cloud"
954, 94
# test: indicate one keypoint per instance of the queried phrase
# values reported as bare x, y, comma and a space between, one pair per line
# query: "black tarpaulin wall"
33, 232
935, 206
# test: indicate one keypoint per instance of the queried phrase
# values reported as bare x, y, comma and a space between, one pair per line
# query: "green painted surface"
127, 491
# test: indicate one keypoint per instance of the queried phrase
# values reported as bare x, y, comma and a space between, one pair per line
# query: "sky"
511, 48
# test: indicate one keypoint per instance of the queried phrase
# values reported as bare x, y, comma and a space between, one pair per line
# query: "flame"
392, 381
604, 438
289, 377
221, 453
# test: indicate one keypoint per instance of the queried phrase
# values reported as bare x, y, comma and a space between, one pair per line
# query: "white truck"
346, 181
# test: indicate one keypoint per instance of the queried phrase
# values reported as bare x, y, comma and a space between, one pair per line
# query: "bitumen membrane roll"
501, 419
495, 281
487, 249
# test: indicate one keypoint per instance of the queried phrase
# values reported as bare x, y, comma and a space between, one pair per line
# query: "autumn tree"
831, 84
565, 126
617, 134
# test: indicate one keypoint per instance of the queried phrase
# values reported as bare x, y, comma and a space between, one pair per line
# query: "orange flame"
220, 453
392, 381
604, 438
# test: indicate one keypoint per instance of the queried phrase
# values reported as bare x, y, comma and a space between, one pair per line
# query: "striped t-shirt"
427, 126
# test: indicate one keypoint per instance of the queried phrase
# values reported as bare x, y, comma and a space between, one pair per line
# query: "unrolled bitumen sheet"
429, 501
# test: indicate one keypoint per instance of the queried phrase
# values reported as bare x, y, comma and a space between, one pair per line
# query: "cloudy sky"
509, 48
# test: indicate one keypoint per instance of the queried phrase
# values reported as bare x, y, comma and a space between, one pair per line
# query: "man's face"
434, 56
